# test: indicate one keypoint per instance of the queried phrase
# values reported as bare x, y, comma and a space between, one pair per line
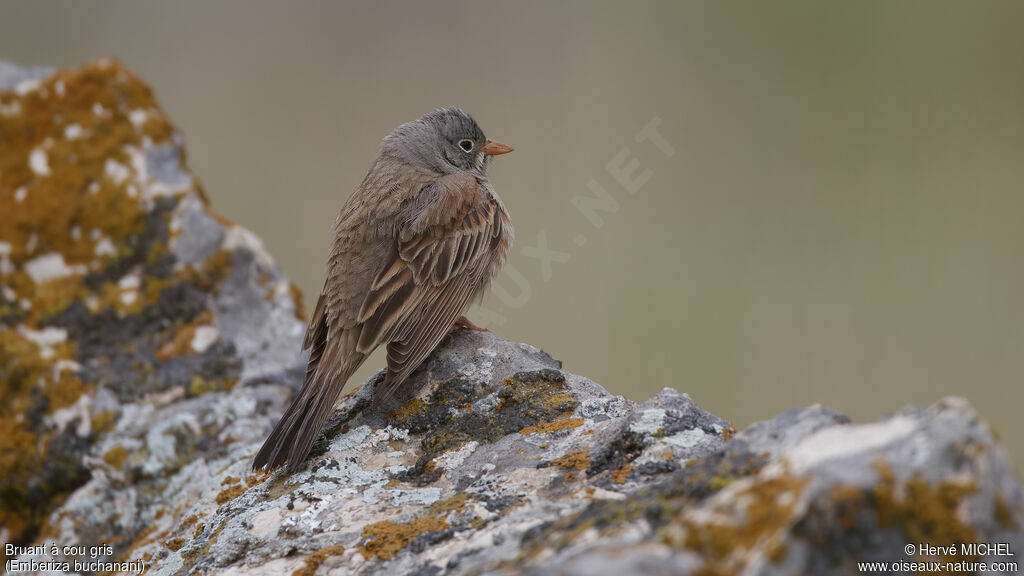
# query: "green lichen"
768, 507
411, 408
528, 399
116, 456
925, 512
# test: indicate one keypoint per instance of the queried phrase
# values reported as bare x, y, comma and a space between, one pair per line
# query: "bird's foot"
465, 323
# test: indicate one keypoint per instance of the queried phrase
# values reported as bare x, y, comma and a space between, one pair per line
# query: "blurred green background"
840, 222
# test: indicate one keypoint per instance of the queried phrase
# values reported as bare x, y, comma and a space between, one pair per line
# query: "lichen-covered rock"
143, 365
140, 333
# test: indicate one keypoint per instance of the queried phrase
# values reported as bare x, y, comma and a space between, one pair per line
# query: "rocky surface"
147, 345
140, 332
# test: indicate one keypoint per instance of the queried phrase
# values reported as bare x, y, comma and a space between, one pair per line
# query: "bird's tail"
294, 434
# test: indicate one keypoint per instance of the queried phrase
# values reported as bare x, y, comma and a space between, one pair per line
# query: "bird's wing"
446, 239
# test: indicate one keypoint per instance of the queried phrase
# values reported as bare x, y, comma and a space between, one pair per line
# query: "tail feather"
331, 363
294, 434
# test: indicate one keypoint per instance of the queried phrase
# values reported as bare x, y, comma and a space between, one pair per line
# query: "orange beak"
494, 148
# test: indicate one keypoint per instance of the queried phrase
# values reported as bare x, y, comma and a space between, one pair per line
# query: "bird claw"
465, 323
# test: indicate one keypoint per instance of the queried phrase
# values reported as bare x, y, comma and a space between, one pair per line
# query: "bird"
419, 240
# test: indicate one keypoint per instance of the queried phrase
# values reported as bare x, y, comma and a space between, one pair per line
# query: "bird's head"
444, 141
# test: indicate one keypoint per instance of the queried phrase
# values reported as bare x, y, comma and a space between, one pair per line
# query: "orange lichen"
925, 512
577, 459
296, 293
410, 408
255, 479
768, 508
455, 503
66, 169
548, 427
63, 392
573, 460
71, 190
387, 538
180, 342
230, 493
619, 476
1003, 513
314, 560
22, 450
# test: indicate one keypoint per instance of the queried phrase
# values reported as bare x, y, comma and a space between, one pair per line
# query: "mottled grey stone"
11, 75
200, 235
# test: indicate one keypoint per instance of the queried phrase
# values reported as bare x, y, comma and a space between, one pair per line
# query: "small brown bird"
422, 237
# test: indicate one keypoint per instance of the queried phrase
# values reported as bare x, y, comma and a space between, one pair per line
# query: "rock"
144, 363
141, 334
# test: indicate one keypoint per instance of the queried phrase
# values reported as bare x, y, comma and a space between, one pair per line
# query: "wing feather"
439, 264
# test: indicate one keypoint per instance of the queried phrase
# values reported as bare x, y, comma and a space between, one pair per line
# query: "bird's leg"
465, 323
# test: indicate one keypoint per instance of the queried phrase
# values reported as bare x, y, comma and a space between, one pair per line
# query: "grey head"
444, 141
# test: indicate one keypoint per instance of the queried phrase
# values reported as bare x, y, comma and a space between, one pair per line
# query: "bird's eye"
466, 145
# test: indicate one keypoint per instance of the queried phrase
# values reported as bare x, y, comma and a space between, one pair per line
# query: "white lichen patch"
649, 423
281, 290
455, 458
26, 86
5, 259
63, 365
686, 439
39, 162
129, 287
117, 172
138, 117
203, 338
73, 131
424, 496
238, 238
79, 411
45, 339
130, 281
104, 247
843, 441
162, 444
20, 194
350, 439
